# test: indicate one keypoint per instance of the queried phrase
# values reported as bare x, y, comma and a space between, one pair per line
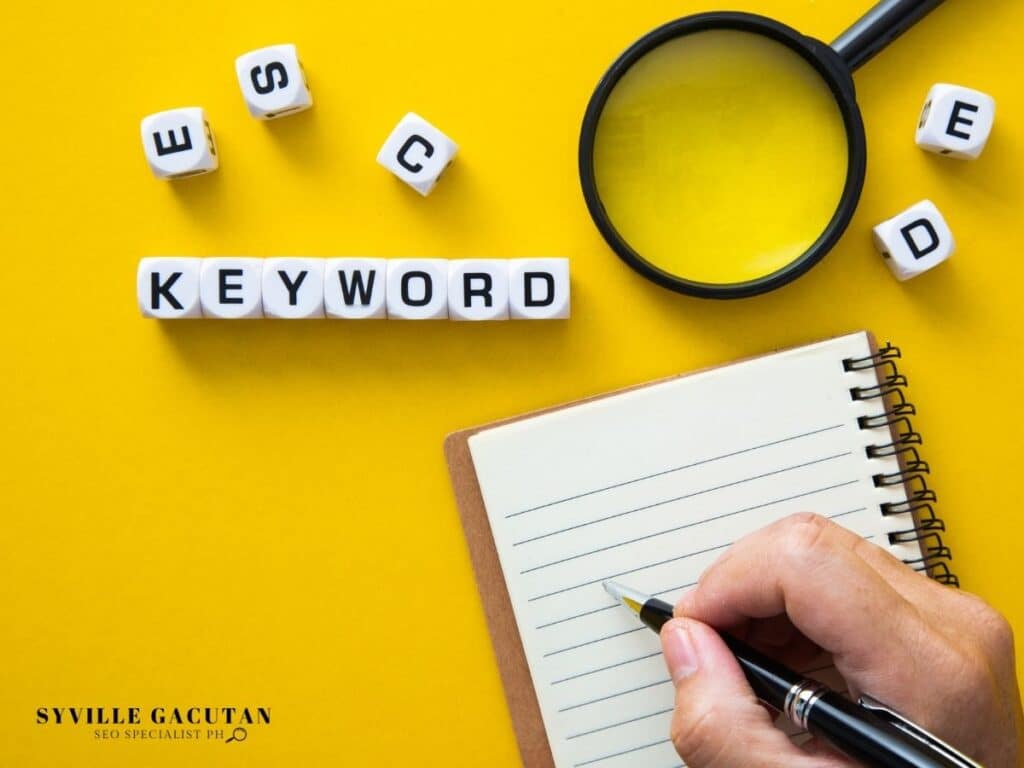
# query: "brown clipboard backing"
531, 735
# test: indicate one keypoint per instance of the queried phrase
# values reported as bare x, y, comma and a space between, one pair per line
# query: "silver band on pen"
800, 700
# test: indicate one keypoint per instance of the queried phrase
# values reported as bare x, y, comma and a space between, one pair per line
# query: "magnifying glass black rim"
833, 71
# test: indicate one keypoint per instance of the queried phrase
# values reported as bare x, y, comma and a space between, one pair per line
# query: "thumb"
718, 722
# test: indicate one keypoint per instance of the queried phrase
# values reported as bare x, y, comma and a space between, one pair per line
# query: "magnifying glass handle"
878, 27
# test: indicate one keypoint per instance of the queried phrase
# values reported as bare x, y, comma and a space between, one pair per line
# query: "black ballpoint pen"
867, 731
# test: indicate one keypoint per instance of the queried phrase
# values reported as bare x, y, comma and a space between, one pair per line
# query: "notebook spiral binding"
896, 413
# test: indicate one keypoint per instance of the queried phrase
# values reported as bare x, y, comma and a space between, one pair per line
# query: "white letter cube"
355, 289
914, 241
538, 289
956, 121
231, 288
293, 288
417, 289
417, 153
179, 142
478, 289
273, 82
168, 288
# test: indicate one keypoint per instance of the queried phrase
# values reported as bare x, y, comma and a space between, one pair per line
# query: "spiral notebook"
650, 485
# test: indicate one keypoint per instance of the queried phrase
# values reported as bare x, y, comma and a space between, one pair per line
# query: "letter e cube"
956, 121
179, 143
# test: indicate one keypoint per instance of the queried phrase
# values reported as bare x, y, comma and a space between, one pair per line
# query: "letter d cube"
914, 241
417, 153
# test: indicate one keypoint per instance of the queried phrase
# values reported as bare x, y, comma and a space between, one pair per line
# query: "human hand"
941, 657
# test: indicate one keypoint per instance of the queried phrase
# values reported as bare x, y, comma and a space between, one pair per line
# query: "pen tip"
624, 594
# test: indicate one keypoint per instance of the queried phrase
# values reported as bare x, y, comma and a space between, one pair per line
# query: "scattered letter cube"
956, 121
915, 240
272, 81
417, 153
231, 288
168, 288
355, 288
478, 289
293, 288
178, 143
538, 289
417, 289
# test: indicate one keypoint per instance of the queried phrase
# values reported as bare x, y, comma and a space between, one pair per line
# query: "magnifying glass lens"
720, 156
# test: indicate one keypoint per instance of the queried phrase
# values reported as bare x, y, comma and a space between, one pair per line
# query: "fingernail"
680, 655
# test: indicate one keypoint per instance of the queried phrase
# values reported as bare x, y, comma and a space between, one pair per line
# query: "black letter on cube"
293, 288
412, 141
549, 281
955, 119
428, 289
158, 289
225, 286
468, 291
912, 244
349, 290
172, 143
274, 67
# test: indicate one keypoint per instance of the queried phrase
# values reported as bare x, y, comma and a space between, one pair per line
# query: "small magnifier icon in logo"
239, 734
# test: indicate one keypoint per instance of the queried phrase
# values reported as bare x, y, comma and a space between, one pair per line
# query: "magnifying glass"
238, 734
723, 154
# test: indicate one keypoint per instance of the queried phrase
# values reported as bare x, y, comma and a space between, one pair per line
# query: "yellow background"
189, 508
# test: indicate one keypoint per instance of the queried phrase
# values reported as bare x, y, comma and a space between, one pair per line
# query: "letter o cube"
956, 121
417, 289
178, 142
914, 241
417, 153
273, 82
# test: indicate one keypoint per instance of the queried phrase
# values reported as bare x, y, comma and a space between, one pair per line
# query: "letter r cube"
478, 289
915, 240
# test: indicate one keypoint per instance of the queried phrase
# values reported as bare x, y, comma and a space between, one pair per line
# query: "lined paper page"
648, 488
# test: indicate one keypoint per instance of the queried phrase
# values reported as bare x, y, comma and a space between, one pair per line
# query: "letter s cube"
417, 153
956, 121
178, 142
914, 241
273, 82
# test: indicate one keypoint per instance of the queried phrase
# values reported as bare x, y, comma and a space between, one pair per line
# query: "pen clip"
930, 740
